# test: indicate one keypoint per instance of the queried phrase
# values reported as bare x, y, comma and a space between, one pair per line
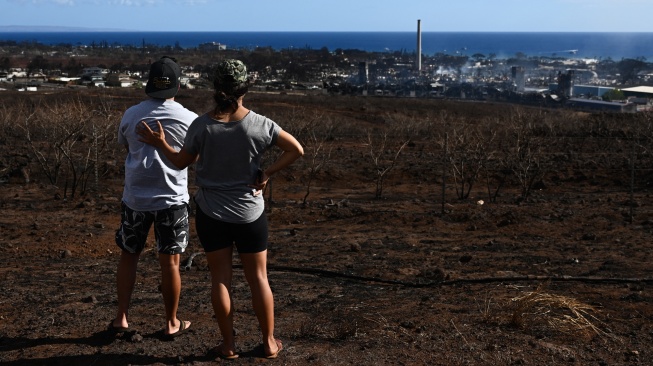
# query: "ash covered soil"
562, 278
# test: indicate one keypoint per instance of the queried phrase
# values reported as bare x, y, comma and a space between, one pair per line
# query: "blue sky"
334, 15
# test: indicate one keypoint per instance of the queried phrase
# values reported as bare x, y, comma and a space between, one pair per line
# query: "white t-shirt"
229, 158
152, 182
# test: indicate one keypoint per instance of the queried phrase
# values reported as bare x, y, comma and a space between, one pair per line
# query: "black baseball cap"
163, 80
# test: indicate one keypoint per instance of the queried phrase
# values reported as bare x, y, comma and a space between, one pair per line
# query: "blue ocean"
570, 45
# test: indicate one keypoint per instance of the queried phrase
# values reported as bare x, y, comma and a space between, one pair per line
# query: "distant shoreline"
574, 45
54, 28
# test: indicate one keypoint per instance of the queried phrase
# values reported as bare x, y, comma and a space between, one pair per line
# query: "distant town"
624, 85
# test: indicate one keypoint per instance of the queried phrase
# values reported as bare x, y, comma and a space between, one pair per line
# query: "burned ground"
555, 271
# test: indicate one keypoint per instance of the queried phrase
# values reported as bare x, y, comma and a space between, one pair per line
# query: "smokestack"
419, 45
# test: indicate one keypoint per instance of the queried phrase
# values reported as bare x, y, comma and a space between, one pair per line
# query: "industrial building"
639, 92
589, 91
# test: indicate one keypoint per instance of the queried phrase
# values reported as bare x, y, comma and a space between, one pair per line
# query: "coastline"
615, 45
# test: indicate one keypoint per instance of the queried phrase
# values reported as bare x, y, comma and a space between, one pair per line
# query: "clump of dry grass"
542, 311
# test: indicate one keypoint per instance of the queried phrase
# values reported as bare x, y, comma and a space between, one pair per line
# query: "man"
155, 193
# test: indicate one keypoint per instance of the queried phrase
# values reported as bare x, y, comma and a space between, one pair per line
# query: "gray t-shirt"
229, 157
152, 182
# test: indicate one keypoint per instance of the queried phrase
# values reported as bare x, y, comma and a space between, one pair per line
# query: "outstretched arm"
181, 159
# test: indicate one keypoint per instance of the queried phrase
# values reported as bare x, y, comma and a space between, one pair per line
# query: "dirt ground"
561, 279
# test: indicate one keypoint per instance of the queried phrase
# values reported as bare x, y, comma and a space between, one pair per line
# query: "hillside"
415, 232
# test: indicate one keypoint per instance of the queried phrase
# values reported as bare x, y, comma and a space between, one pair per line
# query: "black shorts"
215, 234
170, 229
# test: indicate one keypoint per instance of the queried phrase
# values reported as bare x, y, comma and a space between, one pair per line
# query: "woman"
228, 143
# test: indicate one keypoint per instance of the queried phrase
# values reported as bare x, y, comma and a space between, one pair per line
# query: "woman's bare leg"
255, 268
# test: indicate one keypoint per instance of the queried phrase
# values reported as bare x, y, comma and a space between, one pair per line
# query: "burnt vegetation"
481, 151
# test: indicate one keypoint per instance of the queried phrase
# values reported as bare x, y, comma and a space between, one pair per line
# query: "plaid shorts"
170, 229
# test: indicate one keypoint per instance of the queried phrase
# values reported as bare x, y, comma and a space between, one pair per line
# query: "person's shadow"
99, 339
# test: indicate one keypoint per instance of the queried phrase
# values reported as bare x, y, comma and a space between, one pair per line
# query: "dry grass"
539, 311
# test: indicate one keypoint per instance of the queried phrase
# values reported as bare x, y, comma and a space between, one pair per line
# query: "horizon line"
54, 28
